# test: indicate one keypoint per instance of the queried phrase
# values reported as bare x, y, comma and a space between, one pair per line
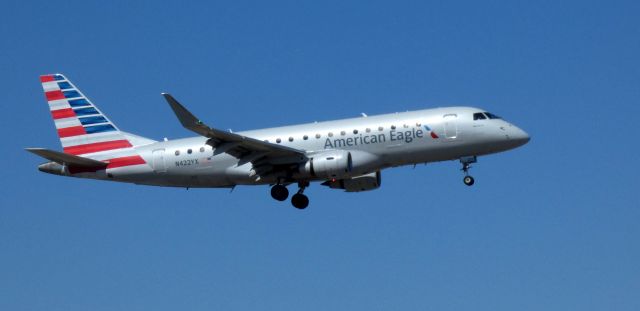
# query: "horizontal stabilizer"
66, 159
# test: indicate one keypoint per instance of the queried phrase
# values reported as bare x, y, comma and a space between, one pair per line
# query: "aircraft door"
158, 161
450, 126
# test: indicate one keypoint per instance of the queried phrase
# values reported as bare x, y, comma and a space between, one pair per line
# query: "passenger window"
177, 152
343, 133
330, 134
355, 131
189, 151
478, 116
290, 138
393, 127
201, 149
305, 137
318, 136
380, 128
368, 130
278, 140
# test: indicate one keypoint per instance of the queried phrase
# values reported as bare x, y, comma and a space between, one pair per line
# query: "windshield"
479, 116
492, 116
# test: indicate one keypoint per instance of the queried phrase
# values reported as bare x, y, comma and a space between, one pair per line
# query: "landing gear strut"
299, 200
279, 192
466, 165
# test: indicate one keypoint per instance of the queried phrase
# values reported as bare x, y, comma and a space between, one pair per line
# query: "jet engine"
366, 182
329, 164
338, 164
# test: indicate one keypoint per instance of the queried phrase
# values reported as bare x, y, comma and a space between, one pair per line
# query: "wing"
265, 157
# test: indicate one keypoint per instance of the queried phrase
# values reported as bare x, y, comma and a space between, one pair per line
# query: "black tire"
468, 180
300, 201
279, 192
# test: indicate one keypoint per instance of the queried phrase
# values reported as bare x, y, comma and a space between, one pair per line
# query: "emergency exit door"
158, 161
450, 126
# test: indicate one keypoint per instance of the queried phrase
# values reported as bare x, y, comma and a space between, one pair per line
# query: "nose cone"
518, 137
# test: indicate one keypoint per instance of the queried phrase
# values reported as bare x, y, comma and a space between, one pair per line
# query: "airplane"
347, 154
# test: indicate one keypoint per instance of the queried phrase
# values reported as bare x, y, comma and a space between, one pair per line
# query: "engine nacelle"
329, 164
366, 182
338, 164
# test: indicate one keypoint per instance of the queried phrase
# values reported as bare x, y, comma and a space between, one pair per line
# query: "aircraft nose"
518, 136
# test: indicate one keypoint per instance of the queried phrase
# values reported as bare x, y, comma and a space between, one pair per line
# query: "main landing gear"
466, 165
298, 200
279, 192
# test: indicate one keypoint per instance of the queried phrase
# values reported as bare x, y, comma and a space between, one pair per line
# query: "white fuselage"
378, 141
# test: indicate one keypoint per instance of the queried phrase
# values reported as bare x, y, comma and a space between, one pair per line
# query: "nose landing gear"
468, 180
466, 165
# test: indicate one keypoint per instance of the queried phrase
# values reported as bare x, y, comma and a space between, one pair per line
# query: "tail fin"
83, 129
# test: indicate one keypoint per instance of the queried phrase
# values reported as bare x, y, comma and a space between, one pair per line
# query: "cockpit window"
492, 116
479, 116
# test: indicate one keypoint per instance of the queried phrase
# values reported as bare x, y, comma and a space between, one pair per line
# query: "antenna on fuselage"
364, 115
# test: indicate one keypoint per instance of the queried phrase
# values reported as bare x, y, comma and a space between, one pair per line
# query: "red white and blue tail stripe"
83, 129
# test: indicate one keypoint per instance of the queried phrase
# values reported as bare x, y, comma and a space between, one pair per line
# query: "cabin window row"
189, 151
342, 133
317, 136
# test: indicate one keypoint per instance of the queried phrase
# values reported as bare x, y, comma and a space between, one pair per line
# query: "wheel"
468, 180
300, 201
279, 192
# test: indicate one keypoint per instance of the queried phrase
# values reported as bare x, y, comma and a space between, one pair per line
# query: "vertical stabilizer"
82, 128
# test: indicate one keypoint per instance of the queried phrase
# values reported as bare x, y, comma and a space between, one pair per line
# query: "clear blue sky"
550, 226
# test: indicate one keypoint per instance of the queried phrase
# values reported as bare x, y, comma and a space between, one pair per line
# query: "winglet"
230, 140
185, 116
66, 159
187, 119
